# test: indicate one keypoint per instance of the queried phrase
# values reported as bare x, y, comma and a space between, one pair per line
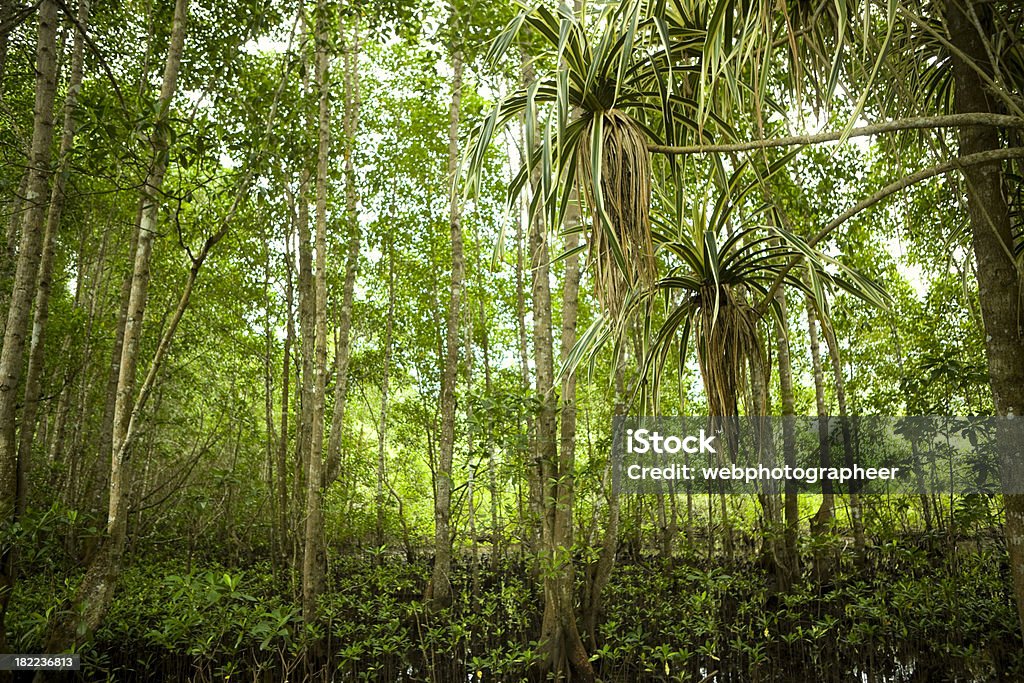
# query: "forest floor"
914, 610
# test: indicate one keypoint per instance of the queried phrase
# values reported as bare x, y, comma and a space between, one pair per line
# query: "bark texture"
970, 24
314, 558
40, 314
350, 127
12, 482
96, 590
439, 592
788, 399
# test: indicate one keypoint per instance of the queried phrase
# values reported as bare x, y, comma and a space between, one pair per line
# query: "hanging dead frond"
727, 340
615, 173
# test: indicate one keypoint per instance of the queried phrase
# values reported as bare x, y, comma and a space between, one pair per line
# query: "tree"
439, 592
12, 481
970, 24
314, 558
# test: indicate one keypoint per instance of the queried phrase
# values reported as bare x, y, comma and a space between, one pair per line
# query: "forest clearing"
481, 340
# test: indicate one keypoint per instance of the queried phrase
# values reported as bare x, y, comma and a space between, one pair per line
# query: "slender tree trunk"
106, 434
999, 281
342, 352
9, 264
602, 570
285, 535
307, 340
788, 400
12, 485
139, 292
824, 515
471, 451
34, 373
268, 412
3, 52
439, 590
314, 560
565, 655
492, 458
382, 431
822, 522
856, 517
773, 547
535, 494
559, 624
95, 591
915, 455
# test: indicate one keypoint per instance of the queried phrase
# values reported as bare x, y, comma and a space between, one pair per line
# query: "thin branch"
70, 16
915, 123
977, 159
17, 16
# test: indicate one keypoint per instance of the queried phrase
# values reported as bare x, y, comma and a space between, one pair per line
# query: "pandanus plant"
725, 260
583, 134
657, 72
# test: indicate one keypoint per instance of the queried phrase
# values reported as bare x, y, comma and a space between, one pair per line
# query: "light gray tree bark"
350, 127
94, 593
34, 373
314, 559
12, 485
439, 593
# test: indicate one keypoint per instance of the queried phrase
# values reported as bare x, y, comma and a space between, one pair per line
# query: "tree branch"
978, 159
915, 123
70, 16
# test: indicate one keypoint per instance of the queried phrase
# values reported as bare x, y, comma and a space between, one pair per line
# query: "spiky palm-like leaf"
625, 88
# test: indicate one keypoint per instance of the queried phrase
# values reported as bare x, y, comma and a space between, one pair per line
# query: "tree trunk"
34, 373
535, 495
559, 624
276, 529
314, 559
999, 281
565, 655
471, 451
138, 294
285, 535
95, 592
773, 547
492, 459
307, 342
856, 517
97, 587
439, 591
822, 522
382, 430
9, 264
342, 352
788, 400
602, 570
12, 484
106, 434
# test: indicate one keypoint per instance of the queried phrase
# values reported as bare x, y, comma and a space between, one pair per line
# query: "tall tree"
350, 127
314, 559
970, 25
12, 484
439, 591
40, 314
94, 593
821, 524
